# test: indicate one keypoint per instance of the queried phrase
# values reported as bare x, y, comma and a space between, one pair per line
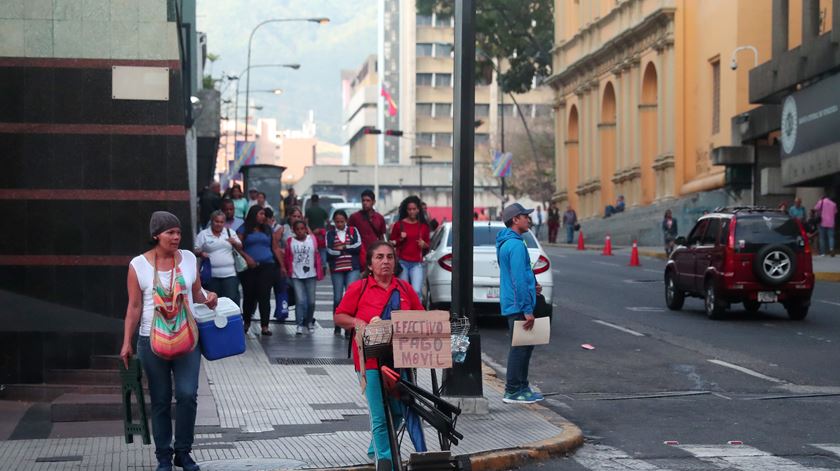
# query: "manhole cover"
252, 464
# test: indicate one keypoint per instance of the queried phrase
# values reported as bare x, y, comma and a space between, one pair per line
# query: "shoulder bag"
174, 331
239, 262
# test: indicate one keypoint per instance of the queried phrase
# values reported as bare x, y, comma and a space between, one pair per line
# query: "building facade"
643, 94
359, 101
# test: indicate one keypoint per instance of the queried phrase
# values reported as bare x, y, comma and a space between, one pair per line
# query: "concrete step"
105, 377
105, 362
45, 392
75, 407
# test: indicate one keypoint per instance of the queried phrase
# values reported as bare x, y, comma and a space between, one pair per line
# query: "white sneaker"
312, 328
299, 330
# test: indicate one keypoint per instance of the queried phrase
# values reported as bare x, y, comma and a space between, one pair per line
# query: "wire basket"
460, 340
377, 339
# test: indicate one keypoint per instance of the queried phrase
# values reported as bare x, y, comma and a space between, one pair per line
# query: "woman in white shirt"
303, 264
149, 275
217, 243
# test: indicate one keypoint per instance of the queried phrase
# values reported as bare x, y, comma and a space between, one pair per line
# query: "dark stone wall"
82, 175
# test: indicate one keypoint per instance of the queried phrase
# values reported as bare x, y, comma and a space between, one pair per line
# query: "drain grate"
58, 459
312, 361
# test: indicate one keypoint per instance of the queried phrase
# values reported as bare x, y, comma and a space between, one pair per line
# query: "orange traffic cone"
634, 256
607, 246
580, 241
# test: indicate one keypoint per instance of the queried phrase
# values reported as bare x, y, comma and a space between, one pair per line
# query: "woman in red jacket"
410, 235
366, 302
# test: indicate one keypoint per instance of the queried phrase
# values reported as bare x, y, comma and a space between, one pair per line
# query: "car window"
485, 236
436, 238
710, 235
697, 232
723, 236
753, 232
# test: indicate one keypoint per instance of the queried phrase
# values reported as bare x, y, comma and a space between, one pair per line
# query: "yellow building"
644, 90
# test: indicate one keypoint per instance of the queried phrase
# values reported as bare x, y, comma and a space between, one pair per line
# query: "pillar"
810, 20
780, 26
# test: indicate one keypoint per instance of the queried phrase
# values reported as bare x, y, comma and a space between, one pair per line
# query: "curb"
565, 443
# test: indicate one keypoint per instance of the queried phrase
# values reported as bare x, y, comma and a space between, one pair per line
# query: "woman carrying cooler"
410, 235
260, 250
217, 244
365, 302
162, 285
303, 264
343, 246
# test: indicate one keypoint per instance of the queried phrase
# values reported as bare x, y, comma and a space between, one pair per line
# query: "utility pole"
348, 171
464, 380
501, 122
420, 159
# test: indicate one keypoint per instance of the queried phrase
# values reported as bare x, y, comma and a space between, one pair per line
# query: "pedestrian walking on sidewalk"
316, 219
539, 223
281, 310
826, 211
669, 232
231, 221
343, 244
518, 293
369, 223
410, 235
570, 223
240, 202
260, 251
812, 230
553, 224
797, 210
367, 301
217, 244
162, 285
303, 264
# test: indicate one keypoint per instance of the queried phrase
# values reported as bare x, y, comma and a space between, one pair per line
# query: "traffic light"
393, 132
372, 131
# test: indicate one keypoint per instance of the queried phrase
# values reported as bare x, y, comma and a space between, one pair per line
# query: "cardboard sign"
422, 339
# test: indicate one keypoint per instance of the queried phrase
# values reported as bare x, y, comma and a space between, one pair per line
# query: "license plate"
493, 293
767, 297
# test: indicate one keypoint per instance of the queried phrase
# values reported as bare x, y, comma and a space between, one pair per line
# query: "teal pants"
380, 446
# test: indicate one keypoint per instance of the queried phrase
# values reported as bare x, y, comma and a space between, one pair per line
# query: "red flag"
392, 106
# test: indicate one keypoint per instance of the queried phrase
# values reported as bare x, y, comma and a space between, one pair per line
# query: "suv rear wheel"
674, 297
774, 264
797, 309
715, 308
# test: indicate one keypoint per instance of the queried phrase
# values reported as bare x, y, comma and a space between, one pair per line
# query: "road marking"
829, 448
746, 371
652, 270
607, 458
829, 302
645, 309
606, 263
743, 457
618, 327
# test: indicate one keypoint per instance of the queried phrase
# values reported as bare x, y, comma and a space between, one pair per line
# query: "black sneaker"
185, 461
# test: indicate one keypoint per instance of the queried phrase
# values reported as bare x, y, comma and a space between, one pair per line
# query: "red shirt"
371, 228
370, 303
407, 248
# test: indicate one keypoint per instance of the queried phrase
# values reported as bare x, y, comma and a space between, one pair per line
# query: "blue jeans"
160, 373
380, 445
225, 287
305, 301
570, 233
826, 240
518, 360
340, 282
412, 272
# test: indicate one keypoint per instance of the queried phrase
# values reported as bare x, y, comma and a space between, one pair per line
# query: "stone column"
780, 26
835, 21
561, 158
810, 20
635, 130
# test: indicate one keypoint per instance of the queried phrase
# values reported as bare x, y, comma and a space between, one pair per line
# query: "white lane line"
829, 302
645, 309
605, 263
652, 270
607, 458
743, 457
618, 327
747, 371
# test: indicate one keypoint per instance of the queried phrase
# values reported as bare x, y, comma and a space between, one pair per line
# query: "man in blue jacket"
518, 295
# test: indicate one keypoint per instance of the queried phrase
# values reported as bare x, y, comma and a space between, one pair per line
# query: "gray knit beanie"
162, 221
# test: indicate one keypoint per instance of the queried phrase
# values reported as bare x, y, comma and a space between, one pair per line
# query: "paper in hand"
538, 335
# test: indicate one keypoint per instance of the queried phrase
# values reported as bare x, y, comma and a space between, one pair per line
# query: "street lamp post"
348, 171
322, 20
247, 70
420, 159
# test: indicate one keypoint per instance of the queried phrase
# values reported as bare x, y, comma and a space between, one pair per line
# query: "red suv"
743, 255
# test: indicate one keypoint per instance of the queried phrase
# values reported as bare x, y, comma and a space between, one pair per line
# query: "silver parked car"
438, 266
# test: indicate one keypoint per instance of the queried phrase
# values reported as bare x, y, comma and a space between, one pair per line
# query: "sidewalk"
825, 268
294, 403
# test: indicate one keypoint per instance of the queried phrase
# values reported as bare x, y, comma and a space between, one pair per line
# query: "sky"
321, 50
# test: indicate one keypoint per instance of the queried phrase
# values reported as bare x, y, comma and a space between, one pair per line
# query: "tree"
530, 177
519, 32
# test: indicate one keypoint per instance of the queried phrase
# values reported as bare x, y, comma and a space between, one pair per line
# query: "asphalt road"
657, 375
